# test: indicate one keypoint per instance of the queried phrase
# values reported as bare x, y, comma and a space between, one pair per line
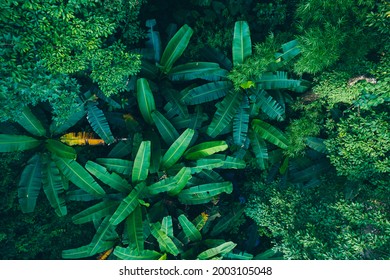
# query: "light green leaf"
242, 45
31, 123
220, 250
60, 149
175, 48
99, 123
204, 193
205, 149
191, 232
134, 230
141, 162
207, 92
167, 131
95, 212
177, 149
128, 254
145, 100
270, 133
15, 143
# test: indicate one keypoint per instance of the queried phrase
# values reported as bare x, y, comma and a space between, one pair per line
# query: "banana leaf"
99, 123
227, 222
145, 100
175, 48
242, 45
77, 253
220, 250
164, 185
241, 123
207, 92
30, 184
210, 176
153, 41
111, 179
198, 118
316, 144
128, 204
167, 226
104, 237
165, 243
239, 256
80, 195
134, 230
122, 149
269, 106
31, 123
290, 50
15, 143
278, 80
259, 149
181, 178
177, 149
270, 133
128, 254
197, 70
60, 149
96, 212
233, 163
190, 230
141, 162
81, 139
117, 165
226, 109
214, 55
204, 193
167, 131
78, 176
174, 105
206, 164
205, 149
53, 187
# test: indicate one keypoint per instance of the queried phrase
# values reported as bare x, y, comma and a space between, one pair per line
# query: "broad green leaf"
164, 185
60, 149
233, 163
239, 256
95, 212
78, 175
270, 133
141, 162
210, 176
167, 226
111, 179
54, 188
174, 106
269, 106
207, 92
206, 164
205, 149
99, 123
31, 123
117, 165
134, 230
259, 149
104, 237
128, 204
181, 178
165, 243
197, 70
167, 131
77, 253
155, 153
191, 232
242, 45
226, 222
175, 48
220, 250
30, 184
241, 123
204, 193
15, 143
279, 80
122, 149
128, 254
316, 144
177, 149
145, 100
226, 109
153, 41
290, 50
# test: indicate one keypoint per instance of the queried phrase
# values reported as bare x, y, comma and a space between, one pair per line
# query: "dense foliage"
232, 129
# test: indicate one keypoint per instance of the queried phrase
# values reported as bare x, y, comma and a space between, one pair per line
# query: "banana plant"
52, 165
159, 170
